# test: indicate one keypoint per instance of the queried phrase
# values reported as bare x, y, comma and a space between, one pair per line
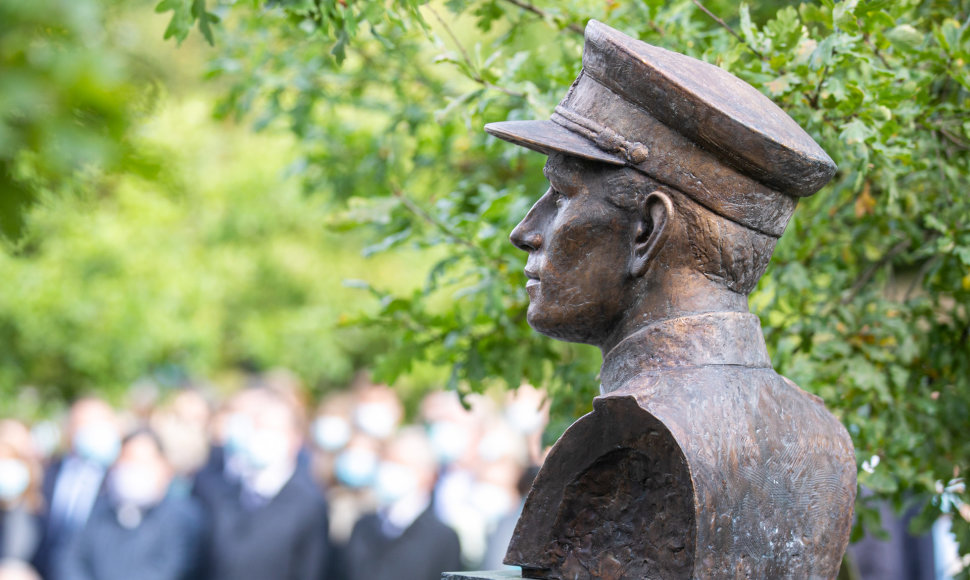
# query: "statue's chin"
568, 330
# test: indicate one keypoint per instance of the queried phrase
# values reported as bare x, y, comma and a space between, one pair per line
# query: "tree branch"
813, 98
476, 75
728, 28
496, 263
544, 15
869, 272
418, 211
954, 139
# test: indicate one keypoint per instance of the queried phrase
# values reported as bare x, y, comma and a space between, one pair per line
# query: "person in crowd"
344, 463
378, 410
455, 434
228, 429
900, 555
140, 530
330, 432
501, 532
181, 423
73, 483
527, 411
20, 497
269, 519
404, 539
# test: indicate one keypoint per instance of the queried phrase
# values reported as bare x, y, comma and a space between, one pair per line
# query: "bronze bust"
671, 181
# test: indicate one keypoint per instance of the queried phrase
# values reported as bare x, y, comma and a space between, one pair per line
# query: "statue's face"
579, 242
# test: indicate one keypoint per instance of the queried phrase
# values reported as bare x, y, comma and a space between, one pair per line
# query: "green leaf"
856, 132
905, 37
785, 29
182, 18
205, 20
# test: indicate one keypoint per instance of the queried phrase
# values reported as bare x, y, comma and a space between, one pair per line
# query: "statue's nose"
526, 237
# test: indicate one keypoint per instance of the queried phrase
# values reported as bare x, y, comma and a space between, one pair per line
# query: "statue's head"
661, 167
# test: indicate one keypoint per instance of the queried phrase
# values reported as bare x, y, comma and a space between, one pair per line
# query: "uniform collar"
713, 338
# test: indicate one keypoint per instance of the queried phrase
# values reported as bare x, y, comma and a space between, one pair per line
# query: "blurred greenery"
153, 240
164, 242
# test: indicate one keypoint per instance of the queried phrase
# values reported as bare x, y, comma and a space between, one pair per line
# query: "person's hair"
147, 433
724, 251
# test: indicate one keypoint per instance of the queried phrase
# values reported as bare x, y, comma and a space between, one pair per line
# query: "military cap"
685, 123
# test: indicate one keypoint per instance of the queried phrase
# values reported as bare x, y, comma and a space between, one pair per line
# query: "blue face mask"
356, 468
14, 479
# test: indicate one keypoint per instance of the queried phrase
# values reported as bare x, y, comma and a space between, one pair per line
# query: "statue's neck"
674, 294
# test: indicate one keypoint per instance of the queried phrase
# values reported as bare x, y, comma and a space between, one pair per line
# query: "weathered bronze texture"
670, 183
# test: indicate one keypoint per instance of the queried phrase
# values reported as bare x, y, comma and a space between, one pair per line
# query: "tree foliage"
866, 300
70, 90
151, 241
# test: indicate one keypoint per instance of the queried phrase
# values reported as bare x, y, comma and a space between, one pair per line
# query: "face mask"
46, 436
356, 467
330, 432
375, 419
524, 417
394, 482
14, 479
134, 485
239, 430
267, 448
449, 440
98, 443
494, 446
491, 501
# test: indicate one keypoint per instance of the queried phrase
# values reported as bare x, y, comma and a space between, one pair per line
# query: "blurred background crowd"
266, 484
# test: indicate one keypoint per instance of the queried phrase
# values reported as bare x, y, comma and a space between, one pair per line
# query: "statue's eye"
557, 196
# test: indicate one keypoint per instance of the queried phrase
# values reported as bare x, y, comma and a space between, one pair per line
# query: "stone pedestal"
486, 575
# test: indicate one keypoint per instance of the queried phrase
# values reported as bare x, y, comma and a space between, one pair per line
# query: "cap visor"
547, 137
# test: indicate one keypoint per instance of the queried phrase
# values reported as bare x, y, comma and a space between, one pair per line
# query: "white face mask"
331, 432
376, 419
98, 442
524, 417
449, 440
239, 430
134, 485
267, 448
490, 500
14, 479
394, 482
495, 445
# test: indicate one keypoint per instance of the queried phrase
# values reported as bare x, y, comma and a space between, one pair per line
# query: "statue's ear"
655, 212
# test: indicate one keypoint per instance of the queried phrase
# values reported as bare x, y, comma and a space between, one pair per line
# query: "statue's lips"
533, 278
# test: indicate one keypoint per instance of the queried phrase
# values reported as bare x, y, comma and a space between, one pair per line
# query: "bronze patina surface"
670, 183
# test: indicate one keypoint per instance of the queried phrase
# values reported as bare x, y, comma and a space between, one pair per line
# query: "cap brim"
547, 137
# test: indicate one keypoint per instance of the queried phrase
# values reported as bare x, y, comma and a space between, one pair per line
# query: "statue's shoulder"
616, 488
720, 399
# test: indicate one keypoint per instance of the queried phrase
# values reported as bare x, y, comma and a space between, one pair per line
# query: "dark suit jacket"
19, 534
164, 546
285, 539
422, 552
55, 535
